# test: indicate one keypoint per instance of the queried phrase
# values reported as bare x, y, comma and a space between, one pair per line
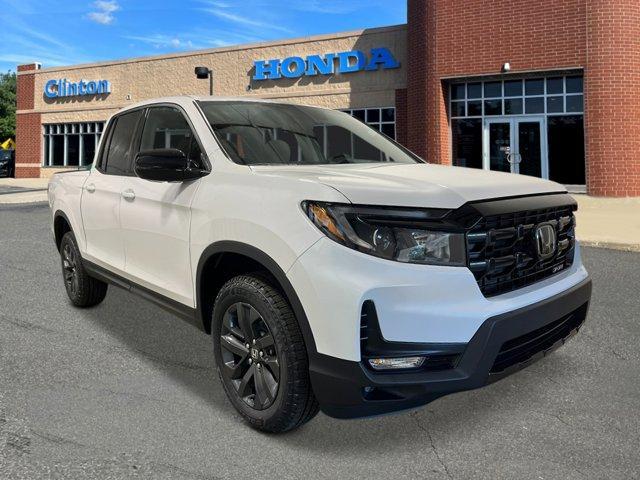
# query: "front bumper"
502, 345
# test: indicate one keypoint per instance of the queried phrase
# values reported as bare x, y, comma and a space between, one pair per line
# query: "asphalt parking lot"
125, 390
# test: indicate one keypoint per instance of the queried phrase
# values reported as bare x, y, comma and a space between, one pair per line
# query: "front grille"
501, 249
520, 349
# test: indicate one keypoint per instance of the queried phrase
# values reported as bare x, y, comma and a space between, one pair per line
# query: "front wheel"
261, 356
83, 290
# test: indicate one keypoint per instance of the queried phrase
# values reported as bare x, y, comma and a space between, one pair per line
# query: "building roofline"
231, 48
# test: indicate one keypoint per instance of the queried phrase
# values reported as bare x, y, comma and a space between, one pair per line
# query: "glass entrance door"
515, 145
498, 145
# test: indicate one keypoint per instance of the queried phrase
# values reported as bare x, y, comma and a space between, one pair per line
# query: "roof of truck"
191, 98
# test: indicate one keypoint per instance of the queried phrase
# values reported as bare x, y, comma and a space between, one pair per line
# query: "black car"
7, 163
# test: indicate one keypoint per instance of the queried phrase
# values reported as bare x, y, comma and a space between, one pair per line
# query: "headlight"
409, 236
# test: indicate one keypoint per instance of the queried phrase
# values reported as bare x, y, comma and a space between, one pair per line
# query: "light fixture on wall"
203, 73
506, 67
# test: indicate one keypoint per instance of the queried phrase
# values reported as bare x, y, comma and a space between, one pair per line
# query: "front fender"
272, 267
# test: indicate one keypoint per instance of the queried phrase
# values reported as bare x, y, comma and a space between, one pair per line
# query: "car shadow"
171, 345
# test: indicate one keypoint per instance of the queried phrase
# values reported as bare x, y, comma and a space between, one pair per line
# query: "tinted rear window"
118, 158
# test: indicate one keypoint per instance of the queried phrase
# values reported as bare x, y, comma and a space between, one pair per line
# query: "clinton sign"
328, 64
65, 88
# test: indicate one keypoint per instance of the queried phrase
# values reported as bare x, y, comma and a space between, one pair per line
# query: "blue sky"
70, 32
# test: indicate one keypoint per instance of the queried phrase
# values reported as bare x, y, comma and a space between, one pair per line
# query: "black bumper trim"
346, 389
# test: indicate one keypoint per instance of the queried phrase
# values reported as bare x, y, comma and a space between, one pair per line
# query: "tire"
268, 383
83, 291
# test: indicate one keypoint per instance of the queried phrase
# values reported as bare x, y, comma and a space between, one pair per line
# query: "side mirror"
166, 165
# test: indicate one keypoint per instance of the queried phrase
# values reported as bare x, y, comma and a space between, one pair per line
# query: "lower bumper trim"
502, 345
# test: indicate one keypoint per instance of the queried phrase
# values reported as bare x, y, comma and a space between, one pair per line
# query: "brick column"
401, 116
612, 98
417, 119
427, 121
28, 125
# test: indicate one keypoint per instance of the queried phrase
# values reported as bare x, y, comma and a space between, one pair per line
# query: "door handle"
90, 188
129, 194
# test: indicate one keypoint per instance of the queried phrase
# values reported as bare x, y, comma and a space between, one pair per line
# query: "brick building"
548, 88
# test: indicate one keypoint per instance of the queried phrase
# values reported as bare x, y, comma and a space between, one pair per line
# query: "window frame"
452, 103
100, 165
206, 162
377, 125
64, 131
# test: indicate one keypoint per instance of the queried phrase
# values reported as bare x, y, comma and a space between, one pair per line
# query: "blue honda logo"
328, 64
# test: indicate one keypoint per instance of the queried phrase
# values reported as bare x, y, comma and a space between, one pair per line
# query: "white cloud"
327, 6
164, 41
24, 44
215, 3
246, 21
104, 11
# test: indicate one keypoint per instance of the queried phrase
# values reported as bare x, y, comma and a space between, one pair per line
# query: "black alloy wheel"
82, 289
249, 355
70, 269
260, 354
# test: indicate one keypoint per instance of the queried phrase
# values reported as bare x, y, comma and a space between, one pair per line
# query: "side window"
104, 148
166, 127
118, 154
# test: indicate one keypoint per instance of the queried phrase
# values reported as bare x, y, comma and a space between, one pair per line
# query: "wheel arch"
61, 225
213, 256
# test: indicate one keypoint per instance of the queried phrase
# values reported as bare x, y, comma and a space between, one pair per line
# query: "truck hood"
414, 185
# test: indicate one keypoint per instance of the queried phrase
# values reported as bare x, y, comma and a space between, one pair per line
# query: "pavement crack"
57, 440
593, 340
545, 376
554, 415
433, 445
24, 324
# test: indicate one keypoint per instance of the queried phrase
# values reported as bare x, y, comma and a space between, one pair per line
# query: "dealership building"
547, 88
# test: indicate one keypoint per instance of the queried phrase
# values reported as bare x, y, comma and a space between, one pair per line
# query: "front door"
156, 216
515, 145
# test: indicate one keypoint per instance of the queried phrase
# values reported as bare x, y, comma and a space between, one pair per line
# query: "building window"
549, 95
566, 149
555, 148
382, 119
70, 144
467, 142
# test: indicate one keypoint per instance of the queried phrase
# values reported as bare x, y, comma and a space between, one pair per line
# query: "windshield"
254, 133
6, 154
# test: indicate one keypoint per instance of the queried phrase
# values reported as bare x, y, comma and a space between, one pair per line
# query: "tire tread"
91, 291
301, 404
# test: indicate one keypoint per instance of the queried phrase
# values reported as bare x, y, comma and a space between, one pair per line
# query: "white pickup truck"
333, 268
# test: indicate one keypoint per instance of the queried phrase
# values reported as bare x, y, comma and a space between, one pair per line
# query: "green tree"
7, 106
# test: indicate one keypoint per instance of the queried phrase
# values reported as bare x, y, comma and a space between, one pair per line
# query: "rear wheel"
83, 290
261, 356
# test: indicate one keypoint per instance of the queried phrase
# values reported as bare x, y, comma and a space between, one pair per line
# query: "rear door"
100, 203
156, 216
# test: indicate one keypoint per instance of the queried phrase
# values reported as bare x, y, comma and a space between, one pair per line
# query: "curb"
23, 197
625, 247
28, 190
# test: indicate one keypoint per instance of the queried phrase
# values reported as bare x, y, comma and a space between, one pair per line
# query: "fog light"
396, 363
